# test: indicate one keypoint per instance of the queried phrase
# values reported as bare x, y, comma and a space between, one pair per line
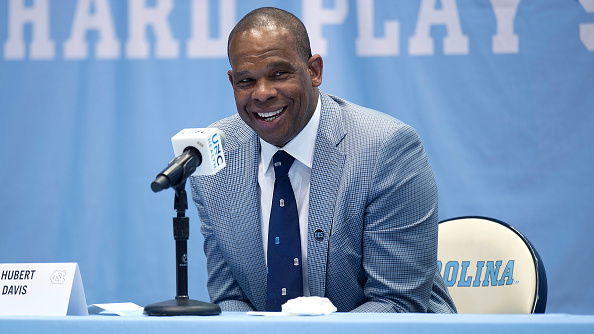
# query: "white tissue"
308, 306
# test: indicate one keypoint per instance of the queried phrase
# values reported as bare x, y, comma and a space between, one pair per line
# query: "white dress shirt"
302, 149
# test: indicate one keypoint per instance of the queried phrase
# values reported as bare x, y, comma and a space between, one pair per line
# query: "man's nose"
264, 90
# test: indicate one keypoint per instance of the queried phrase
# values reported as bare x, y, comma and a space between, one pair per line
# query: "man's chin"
273, 139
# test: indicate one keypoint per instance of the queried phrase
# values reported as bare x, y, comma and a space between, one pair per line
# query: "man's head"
274, 77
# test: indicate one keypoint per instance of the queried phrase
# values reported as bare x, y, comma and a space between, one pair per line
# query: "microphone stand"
182, 304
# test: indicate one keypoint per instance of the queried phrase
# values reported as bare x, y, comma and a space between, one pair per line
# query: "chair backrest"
490, 267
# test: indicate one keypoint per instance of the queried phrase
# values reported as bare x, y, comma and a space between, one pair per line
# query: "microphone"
192, 147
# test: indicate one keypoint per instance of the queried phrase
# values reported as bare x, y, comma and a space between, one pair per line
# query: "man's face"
275, 89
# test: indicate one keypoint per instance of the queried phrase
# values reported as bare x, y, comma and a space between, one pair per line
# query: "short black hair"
277, 18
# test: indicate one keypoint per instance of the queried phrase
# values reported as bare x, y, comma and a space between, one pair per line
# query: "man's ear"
315, 66
230, 74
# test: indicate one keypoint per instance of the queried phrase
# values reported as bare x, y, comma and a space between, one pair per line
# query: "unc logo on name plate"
58, 277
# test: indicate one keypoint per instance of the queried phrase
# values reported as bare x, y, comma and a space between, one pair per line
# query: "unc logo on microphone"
216, 152
460, 272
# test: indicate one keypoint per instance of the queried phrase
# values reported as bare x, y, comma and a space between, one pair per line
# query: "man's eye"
279, 73
244, 81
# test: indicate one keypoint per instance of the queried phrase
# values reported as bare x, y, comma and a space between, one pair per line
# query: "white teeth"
270, 114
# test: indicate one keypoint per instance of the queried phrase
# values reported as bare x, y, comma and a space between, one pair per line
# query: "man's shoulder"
234, 130
228, 123
365, 123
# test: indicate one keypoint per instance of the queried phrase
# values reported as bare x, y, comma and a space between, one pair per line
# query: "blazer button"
319, 235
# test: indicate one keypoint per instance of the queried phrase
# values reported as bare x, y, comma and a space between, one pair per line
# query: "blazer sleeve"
399, 246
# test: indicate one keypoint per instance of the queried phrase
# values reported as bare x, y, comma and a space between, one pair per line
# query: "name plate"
49, 289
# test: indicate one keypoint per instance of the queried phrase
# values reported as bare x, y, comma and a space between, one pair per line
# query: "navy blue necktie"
285, 280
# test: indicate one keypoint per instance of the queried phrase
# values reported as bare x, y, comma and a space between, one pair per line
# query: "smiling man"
320, 197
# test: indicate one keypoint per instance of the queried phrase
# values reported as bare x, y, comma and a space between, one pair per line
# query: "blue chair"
490, 267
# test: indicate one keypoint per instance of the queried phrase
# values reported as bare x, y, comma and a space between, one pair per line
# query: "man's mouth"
269, 116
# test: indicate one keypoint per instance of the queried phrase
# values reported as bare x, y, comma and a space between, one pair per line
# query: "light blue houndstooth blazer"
372, 194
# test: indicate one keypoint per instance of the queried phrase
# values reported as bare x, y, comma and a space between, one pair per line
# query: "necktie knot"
282, 162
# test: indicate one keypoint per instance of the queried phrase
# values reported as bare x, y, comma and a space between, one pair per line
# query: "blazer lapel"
326, 173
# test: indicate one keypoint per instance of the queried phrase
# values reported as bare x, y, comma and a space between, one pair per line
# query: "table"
343, 323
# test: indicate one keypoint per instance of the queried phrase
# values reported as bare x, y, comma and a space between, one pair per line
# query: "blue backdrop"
91, 91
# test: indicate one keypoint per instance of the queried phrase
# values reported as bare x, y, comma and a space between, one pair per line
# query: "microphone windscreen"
208, 141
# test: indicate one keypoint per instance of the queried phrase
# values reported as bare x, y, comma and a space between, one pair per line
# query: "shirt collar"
302, 146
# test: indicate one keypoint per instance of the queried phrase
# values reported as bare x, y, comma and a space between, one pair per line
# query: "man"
365, 193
